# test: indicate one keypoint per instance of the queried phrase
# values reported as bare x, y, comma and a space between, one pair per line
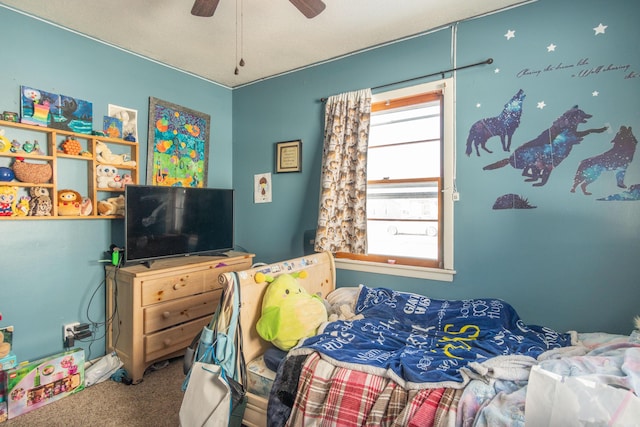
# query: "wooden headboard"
321, 280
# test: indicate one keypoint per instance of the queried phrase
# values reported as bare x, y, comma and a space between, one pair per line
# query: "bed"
401, 359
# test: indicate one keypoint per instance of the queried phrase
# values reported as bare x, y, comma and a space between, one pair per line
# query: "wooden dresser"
156, 311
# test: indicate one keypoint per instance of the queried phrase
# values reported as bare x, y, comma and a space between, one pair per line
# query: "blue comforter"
416, 340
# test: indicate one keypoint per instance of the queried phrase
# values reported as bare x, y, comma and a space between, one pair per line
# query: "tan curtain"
342, 217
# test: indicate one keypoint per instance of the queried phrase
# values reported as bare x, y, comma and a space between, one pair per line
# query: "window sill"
396, 270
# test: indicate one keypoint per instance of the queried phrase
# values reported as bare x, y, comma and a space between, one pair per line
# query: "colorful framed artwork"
37, 106
41, 108
112, 127
178, 145
289, 156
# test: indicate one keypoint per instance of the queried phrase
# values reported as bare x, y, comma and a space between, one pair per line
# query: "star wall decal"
600, 29
510, 34
478, 105
497, 70
541, 105
551, 48
595, 93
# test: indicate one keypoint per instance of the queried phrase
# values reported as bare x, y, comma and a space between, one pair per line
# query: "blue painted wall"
50, 274
570, 263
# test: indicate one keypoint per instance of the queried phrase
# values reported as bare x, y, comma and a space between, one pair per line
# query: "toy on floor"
289, 312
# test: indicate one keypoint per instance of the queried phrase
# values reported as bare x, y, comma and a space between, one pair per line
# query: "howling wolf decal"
503, 125
538, 157
616, 159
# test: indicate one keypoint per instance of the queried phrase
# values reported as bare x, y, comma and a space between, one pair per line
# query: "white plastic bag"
556, 400
207, 400
102, 369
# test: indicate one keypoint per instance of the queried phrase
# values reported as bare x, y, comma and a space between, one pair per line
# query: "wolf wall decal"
538, 157
616, 159
503, 125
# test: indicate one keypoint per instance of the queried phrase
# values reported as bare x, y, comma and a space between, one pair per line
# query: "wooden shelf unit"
54, 137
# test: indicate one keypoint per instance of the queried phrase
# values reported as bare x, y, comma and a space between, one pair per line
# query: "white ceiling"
275, 36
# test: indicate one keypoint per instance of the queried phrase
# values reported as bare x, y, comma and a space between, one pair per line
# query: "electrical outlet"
68, 330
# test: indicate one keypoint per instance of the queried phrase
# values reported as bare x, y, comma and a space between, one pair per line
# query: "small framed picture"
289, 156
112, 127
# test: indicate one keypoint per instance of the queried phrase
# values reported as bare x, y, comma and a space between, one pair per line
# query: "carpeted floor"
153, 402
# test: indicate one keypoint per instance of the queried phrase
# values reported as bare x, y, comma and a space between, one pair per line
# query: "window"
410, 183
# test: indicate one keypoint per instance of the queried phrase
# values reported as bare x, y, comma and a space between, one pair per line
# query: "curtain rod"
487, 61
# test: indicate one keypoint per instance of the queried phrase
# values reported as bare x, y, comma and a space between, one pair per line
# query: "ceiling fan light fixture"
204, 8
309, 8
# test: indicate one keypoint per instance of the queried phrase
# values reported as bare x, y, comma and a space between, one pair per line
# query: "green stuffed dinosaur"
289, 312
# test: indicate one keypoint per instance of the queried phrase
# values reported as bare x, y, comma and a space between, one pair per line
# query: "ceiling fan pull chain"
237, 70
241, 33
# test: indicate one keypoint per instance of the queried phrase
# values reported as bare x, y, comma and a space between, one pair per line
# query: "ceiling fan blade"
309, 8
204, 8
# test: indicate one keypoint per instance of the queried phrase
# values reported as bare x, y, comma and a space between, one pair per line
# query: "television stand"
148, 263
162, 307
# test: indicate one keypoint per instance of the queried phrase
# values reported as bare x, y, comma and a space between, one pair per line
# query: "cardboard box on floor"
3, 397
7, 361
32, 385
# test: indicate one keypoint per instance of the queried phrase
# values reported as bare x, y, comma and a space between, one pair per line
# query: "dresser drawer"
171, 287
167, 314
171, 340
212, 282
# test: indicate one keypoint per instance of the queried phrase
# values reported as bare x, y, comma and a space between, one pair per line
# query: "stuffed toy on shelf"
40, 203
69, 202
111, 206
8, 200
106, 176
104, 155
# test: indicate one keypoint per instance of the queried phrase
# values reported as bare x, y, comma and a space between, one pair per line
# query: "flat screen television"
162, 222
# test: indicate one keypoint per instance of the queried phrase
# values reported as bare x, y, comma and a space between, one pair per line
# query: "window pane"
403, 219
418, 160
415, 239
403, 201
403, 131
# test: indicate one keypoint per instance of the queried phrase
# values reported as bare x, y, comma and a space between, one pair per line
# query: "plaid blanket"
330, 395
421, 342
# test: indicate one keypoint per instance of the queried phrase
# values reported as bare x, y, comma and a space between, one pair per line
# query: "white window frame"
446, 273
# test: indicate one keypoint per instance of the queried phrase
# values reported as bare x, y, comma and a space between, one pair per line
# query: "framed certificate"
289, 156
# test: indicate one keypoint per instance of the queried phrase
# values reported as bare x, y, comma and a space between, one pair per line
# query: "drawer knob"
166, 314
178, 286
166, 342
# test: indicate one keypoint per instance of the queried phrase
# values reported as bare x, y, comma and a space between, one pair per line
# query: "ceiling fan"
309, 8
